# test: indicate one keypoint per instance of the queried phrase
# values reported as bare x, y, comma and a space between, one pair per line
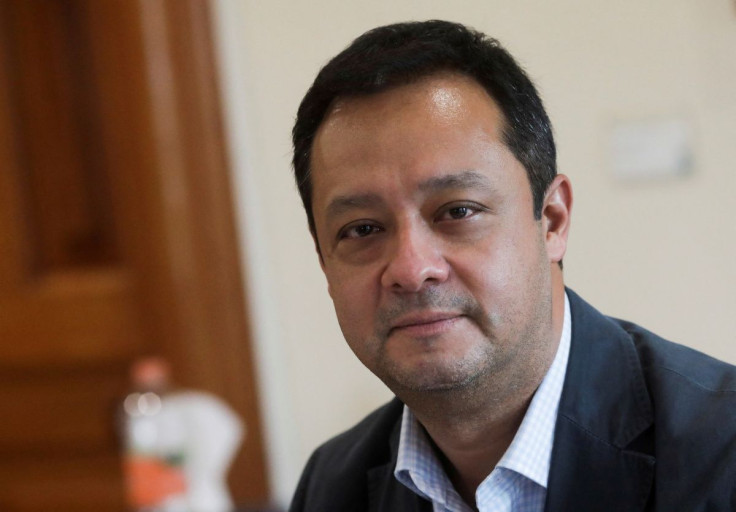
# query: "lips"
425, 324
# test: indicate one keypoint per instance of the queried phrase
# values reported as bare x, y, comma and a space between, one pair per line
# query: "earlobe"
556, 212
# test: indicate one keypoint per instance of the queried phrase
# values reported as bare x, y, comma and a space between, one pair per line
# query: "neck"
469, 440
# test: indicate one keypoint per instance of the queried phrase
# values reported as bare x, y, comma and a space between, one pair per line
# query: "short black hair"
404, 53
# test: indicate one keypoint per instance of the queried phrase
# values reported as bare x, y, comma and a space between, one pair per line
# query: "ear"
556, 211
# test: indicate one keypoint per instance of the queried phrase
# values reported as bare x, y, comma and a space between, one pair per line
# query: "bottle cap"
150, 373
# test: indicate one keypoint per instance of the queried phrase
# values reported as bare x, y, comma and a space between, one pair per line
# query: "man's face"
438, 270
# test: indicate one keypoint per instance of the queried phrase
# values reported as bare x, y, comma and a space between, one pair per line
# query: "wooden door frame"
165, 129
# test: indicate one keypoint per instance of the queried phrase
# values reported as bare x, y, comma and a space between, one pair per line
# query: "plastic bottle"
155, 442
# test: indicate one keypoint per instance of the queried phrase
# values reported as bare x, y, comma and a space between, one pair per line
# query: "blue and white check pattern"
518, 483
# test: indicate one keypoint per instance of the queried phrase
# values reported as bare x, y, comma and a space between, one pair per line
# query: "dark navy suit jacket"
643, 425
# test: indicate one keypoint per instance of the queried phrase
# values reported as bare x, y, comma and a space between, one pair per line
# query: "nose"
415, 258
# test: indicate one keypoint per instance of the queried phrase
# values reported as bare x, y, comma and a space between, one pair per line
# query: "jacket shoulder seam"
696, 383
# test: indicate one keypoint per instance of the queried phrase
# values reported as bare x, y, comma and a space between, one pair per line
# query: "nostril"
411, 271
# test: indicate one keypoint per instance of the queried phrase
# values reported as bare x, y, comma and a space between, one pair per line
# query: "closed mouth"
425, 321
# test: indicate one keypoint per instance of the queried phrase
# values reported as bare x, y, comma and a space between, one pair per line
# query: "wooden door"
116, 240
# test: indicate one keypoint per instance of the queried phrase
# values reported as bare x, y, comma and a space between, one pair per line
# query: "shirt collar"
529, 453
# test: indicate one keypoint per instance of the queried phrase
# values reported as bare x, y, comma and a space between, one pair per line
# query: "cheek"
495, 262
501, 269
354, 299
355, 308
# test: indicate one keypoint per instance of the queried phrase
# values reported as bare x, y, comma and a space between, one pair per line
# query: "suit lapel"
590, 474
601, 455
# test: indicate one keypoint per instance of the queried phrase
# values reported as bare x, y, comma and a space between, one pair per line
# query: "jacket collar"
601, 458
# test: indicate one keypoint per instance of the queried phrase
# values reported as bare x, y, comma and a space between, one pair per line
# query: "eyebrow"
342, 204
462, 180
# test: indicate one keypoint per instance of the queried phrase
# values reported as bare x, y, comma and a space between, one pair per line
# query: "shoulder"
664, 364
693, 395
643, 394
669, 365
335, 475
693, 398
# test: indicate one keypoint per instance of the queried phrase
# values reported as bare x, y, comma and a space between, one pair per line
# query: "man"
426, 164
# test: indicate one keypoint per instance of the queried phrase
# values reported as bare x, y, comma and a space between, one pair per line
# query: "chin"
426, 379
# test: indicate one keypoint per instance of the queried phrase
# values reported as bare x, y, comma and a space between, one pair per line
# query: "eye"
458, 212
358, 231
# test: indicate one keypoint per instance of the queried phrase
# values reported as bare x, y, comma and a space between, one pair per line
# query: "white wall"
661, 254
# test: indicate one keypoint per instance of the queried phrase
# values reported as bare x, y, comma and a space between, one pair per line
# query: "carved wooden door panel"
116, 240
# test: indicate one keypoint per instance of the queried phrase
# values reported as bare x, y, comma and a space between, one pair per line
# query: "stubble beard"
438, 376
495, 369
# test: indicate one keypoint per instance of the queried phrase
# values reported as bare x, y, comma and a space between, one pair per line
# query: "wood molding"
212, 349
118, 240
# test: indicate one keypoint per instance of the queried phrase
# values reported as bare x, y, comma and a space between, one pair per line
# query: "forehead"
445, 123
445, 100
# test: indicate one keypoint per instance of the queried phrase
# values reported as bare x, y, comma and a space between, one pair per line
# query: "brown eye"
359, 231
364, 230
459, 212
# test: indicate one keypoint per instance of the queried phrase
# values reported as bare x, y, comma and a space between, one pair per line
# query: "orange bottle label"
151, 480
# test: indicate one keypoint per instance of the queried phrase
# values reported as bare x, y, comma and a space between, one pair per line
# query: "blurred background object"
177, 444
154, 438
117, 240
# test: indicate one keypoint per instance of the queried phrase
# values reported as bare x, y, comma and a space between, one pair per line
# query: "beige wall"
661, 253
